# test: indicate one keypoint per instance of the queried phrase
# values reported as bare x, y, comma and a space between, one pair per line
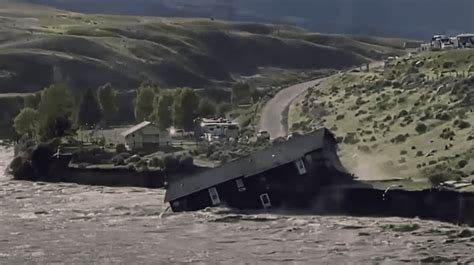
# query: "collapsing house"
284, 174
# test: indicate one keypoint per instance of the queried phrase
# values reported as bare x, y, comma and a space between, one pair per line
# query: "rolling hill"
41, 45
400, 18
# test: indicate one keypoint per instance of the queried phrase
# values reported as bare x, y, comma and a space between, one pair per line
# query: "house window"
240, 185
214, 196
265, 199
300, 166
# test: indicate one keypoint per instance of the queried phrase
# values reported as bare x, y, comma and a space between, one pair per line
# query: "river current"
74, 224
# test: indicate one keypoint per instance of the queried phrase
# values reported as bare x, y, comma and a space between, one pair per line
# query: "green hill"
413, 119
40, 46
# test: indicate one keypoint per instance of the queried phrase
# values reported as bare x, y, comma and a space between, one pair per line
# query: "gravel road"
74, 224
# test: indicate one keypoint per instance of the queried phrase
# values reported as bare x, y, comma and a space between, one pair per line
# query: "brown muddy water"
74, 224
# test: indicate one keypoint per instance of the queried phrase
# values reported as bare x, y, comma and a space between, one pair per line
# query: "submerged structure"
289, 174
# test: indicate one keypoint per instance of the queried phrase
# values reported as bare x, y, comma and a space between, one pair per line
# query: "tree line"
177, 107
54, 112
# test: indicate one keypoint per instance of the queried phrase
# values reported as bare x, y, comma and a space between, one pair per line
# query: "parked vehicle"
180, 134
263, 135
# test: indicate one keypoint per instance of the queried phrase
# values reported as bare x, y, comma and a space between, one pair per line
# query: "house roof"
136, 128
258, 162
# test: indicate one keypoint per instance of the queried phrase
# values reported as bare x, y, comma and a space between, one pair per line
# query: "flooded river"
74, 224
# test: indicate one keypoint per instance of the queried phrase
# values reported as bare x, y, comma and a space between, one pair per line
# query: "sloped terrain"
407, 18
40, 45
414, 119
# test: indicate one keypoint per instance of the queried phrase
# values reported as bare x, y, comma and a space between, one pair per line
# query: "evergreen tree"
55, 109
163, 110
185, 108
89, 113
106, 96
144, 103
206, 108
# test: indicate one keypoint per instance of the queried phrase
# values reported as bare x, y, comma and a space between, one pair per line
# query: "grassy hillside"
414, 119
40, 45
408, 18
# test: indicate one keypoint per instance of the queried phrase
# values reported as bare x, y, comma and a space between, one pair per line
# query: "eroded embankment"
442, 205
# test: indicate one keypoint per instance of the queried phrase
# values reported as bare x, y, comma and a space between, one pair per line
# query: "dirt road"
74, 224
272, 118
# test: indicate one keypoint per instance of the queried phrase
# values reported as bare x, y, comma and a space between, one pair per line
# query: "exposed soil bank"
58, 170
447, 206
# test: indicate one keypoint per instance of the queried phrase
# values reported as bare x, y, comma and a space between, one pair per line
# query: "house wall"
284, 185
447, 206
152, 134
134, 140
147, 135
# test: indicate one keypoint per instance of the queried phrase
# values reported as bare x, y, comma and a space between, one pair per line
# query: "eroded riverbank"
69, 223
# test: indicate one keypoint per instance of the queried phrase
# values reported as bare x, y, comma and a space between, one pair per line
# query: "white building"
218, 129
146, 134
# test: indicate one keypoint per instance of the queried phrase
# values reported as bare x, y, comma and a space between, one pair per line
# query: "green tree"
256, 94
240, 93
55, 108
163, 113
223, 108
185, 108
150, 84
33, 100
56, 127
89, 112
206, 108
144, 103
106, 96
26, 122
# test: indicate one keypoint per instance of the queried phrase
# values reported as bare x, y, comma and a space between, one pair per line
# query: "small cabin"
284, 174
146, 134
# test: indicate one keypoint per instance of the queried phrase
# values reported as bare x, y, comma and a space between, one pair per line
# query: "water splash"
6, 155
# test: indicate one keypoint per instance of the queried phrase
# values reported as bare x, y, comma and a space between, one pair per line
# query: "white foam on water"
6, 155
